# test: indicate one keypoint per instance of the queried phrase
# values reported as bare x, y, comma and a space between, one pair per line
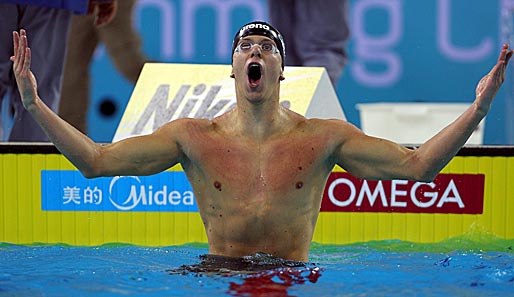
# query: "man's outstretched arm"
370, 157
136, 156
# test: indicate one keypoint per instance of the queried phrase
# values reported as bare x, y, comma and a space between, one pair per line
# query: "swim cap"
263, 29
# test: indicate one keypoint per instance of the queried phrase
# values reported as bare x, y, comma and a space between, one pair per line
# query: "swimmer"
258, 171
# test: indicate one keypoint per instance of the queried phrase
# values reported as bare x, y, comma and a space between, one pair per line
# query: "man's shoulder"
192, 121
185, 125
331, 130
327, 124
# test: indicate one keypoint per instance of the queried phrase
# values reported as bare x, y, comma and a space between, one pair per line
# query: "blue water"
386, 268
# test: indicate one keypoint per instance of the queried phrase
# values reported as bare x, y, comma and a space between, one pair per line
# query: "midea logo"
146, 195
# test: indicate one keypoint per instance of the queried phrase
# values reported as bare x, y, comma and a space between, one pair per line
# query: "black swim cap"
263, 29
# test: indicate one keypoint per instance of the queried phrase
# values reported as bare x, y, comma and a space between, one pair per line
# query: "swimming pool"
458, 253
457, 267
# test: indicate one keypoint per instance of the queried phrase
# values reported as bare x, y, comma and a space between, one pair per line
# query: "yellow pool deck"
23, 220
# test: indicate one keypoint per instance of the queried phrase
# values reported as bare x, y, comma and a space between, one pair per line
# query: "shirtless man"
259, 170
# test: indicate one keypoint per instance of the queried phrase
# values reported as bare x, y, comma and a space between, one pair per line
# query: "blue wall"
402, 51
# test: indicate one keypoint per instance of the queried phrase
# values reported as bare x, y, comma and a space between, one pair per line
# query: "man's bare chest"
274, 164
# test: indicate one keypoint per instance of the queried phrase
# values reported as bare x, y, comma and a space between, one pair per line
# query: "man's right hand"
25, 79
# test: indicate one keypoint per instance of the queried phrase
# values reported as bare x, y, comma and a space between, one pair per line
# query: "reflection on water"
274, 282
259, 274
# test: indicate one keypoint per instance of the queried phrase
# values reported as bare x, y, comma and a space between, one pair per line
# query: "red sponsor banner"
448, 193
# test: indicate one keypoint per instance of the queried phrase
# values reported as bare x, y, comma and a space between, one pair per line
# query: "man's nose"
256, 51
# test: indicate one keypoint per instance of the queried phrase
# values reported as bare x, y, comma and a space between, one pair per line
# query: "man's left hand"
491, 83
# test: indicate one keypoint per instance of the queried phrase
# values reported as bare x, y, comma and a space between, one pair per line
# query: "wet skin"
258, 171
258, 196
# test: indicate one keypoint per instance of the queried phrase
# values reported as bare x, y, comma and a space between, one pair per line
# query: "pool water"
457, 267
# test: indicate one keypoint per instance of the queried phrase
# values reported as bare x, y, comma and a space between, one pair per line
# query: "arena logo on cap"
254, 26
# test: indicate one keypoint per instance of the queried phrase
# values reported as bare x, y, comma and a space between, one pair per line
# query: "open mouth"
254, 74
